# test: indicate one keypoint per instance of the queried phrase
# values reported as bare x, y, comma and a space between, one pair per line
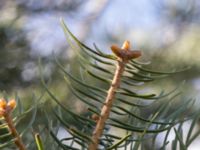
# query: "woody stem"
11, 126
105, 111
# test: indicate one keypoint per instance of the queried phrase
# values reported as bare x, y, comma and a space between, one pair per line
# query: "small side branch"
11, 126
123, 54
6, 109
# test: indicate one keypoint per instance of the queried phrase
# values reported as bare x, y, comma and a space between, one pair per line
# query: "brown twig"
124, 55
11, 126
105, 111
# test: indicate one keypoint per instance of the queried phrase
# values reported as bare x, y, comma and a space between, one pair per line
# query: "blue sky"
45, 33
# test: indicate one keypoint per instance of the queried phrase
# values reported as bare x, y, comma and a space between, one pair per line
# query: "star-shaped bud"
124, 52
6, 107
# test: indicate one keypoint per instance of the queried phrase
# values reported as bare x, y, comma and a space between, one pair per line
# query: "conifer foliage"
119, 105
120, 115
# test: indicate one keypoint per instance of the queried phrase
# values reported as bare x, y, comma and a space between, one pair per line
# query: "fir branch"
124, 54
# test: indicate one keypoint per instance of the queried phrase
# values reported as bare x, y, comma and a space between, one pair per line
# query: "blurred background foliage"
167, 32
